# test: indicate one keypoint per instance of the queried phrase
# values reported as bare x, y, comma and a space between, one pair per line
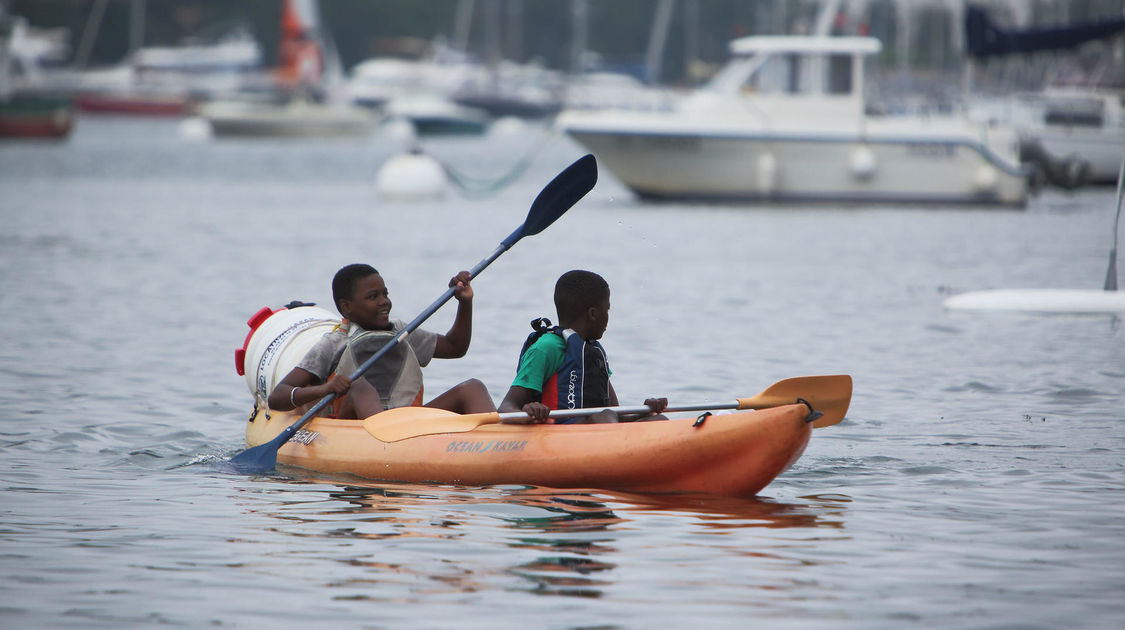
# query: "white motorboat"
1087, 123
433, 114
377, 81
308, 101
1073, 135
297, 119
786, 120
1076, 117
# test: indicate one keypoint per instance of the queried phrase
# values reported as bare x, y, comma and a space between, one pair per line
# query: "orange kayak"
732, 454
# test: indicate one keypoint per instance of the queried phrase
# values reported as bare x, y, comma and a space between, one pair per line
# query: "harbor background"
573, 36
976, 483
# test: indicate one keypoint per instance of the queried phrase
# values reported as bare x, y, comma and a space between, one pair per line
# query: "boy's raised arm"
455, 343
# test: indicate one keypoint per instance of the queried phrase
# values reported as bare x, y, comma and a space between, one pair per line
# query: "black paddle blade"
558, 196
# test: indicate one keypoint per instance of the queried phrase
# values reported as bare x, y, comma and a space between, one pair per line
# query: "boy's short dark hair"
576, 291
346, 279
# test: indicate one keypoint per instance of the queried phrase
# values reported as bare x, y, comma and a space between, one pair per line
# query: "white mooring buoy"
195, 129
412, 176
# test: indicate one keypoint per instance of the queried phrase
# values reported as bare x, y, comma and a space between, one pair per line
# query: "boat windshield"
787, 73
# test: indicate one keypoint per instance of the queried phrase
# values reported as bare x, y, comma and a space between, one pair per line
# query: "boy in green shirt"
565, 367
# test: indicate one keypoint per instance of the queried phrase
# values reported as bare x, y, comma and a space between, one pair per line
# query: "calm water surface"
978, 481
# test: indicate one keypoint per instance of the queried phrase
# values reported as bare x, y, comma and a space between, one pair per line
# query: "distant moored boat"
36, 116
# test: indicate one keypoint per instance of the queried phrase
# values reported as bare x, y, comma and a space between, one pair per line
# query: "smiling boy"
395, 380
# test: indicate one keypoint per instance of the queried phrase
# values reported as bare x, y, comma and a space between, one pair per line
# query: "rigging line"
477, 186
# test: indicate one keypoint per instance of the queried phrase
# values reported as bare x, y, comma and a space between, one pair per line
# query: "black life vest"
583, 379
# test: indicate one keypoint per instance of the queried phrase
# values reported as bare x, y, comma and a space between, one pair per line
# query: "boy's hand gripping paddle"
555, 199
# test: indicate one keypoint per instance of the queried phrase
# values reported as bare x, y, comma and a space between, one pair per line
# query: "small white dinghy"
1109, 300
1039, 301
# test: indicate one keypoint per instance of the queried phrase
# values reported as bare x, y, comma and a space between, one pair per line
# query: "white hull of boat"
432, 114
659, 161
1040, 301
1101, 148
1076, 125
292, 120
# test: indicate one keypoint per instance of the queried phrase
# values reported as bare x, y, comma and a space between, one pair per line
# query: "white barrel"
276, 346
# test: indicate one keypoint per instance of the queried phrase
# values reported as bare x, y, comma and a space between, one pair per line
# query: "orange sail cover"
301, 60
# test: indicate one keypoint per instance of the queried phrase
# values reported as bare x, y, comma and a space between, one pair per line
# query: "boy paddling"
565, 367
362, 298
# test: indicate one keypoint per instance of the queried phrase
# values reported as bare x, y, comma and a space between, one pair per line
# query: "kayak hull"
731, 454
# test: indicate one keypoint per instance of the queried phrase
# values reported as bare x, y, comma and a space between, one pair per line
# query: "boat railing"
733, 76
998, 161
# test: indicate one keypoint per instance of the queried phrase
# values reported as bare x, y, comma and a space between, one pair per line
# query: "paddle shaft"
762, 400
827, 397
638, 409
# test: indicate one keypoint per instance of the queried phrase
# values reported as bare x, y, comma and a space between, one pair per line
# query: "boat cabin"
794, 69
1078, 108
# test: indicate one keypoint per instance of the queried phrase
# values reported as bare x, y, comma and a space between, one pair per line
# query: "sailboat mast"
658, 36
89, 34
579, 15
1111, 273
136, 26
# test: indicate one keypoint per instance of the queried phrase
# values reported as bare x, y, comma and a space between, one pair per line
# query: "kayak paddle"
829, 395
555, 199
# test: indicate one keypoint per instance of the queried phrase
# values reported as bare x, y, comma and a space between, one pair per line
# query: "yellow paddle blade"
829, 395
407, 422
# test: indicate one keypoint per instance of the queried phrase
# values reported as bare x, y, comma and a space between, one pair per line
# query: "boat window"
794, 67
787, 74
1075, 113
1074, 119
736, 75
802, 74
839, 76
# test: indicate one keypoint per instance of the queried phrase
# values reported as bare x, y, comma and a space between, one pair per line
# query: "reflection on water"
575, 533
551, 542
